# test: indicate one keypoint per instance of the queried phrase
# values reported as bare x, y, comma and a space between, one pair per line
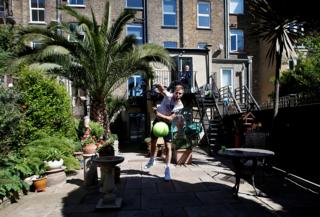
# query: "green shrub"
39, 150
47, 107
97, 129
10, 117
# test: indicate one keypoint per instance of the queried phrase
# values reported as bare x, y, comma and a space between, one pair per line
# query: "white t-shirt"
168, 105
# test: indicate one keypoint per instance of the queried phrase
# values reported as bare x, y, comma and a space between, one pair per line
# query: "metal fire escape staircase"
213, 103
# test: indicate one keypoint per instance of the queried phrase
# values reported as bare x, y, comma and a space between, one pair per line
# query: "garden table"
239, 156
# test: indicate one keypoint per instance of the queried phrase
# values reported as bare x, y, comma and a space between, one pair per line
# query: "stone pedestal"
55, 176
89, 170
110, 198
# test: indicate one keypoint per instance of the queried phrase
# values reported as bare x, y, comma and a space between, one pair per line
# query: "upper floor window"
133, 3
37, 10
170, 44
169, 13
137, 30
76, 2
236, 40
236, 7
203, 15
202, 45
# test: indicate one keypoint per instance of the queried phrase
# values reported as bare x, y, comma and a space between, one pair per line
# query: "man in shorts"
166, 112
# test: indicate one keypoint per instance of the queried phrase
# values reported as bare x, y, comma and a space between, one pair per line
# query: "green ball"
160, 129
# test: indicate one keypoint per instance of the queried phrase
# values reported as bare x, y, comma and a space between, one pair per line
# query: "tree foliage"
305, 77
46, 106
100, 61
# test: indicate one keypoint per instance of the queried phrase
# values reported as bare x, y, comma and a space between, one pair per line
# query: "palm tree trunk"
99, 113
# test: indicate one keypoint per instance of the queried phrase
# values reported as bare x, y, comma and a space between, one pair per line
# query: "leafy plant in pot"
89, 145
106, 148
53, 158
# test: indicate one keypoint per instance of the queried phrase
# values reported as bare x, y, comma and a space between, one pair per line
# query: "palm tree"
279, 30
99, 62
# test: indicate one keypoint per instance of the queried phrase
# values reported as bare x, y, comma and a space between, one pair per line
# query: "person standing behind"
169, 107
185, 76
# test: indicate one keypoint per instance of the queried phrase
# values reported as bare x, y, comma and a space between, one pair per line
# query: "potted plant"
106, 147
53, 158
89, 145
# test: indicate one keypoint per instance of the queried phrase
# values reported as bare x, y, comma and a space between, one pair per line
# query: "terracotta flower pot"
40, 184
89, 149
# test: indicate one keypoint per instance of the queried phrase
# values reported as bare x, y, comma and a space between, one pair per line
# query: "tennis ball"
160, 129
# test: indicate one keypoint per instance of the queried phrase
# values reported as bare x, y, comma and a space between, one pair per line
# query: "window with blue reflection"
76, 2
133, 3
137, 30
236, 40
203, 15
170, 44
136, 86
169, 13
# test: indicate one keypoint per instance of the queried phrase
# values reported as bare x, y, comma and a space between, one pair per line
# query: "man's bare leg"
167, 174
153, 153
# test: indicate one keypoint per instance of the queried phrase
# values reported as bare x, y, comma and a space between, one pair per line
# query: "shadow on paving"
147, 195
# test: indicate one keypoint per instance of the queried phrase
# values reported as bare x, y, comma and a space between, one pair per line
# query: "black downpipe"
145, 21
181, 44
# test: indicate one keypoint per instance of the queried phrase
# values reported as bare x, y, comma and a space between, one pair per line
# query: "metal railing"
244, 97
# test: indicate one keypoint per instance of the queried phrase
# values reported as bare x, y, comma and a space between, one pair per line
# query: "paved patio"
201, 189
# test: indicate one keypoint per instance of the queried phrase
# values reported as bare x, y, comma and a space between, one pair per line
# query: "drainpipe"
58, 12
226, 29
181, 44
249, 82
145, 21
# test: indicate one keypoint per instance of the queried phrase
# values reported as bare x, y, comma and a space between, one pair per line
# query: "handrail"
243, 95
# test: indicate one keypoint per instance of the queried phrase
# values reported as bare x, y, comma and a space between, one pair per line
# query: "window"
203, 15
37, 9
1, 5
133, 3
36, 44
136, 29
226, 77
202, 45
76, 2
236, 7
170, 44
136, 85
169, 13
237, 40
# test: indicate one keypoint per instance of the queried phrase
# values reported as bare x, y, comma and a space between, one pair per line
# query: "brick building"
211, 36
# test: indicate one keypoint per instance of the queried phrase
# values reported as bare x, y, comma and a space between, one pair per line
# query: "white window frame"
236, 7
203, 15
169, 13
37, 9
126, 4
76, 5
235, 33
34, 44
231, 76
136, 25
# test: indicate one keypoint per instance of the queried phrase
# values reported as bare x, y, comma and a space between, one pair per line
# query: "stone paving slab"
201, 189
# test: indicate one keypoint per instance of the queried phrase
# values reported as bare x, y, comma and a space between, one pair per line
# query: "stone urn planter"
54, 164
